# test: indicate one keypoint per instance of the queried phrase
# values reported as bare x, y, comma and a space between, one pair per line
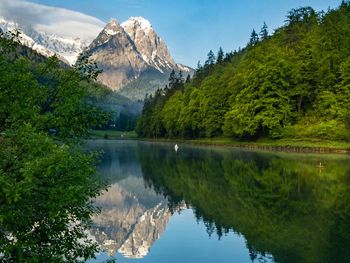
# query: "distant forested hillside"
292, 84
123, 112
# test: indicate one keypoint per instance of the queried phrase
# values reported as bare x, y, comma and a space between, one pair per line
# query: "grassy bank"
111, 134
286, 145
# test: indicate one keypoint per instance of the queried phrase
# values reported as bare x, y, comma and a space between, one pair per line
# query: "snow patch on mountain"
112, 28
26, 40
184, 68
54, 30
67, 49
142, 22
110, 32
153, 49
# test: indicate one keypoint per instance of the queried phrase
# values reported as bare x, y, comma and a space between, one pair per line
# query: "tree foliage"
46, 179
293, 83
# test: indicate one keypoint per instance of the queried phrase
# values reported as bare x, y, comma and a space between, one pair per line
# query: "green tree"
199, 66
264, 33
171, 114
172, 79
46, 179
292, 84
210, 59
254, 38
220, 56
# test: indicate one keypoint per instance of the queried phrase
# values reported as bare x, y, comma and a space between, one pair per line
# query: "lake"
212, 204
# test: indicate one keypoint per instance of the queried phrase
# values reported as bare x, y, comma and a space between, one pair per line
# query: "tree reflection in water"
282, 203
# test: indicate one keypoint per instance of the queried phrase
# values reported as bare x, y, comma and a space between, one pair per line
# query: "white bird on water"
176, 147
320, 165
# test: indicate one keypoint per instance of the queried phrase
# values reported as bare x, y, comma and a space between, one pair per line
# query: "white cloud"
52, 20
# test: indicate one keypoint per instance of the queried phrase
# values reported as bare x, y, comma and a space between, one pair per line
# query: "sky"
191, 28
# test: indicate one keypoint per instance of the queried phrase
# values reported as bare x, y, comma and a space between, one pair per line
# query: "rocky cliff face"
116, 54
133, 58
151, 46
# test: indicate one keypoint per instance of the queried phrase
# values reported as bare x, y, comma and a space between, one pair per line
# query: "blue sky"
192, 27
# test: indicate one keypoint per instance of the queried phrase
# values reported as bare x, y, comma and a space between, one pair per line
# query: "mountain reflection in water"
132, 215
252, 206
126, 223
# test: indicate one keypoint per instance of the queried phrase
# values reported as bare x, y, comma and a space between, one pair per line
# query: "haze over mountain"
134, 59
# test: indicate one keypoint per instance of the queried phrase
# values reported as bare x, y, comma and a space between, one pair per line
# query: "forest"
294, 83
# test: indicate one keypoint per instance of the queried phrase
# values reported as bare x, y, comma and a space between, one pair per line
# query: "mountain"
150, 45
28, 41
67, 49
50, 29
116, 54
134, 59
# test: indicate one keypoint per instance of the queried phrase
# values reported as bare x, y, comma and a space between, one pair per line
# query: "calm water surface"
206, 204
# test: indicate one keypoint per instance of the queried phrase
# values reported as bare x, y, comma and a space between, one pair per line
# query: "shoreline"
280, 145
256, 146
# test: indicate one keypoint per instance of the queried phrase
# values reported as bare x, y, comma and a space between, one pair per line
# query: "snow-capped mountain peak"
140, 21
56, 30
113, 22
112, 31
66, 49
116, 55
112, 28
28, 41
151, 46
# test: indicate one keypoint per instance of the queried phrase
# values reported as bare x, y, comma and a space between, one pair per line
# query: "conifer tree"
228, 56
254, 38
172, 79
220, 56
199, 66
211, 59
264, 33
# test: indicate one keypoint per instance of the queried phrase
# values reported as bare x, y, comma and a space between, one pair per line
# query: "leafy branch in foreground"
47, 181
